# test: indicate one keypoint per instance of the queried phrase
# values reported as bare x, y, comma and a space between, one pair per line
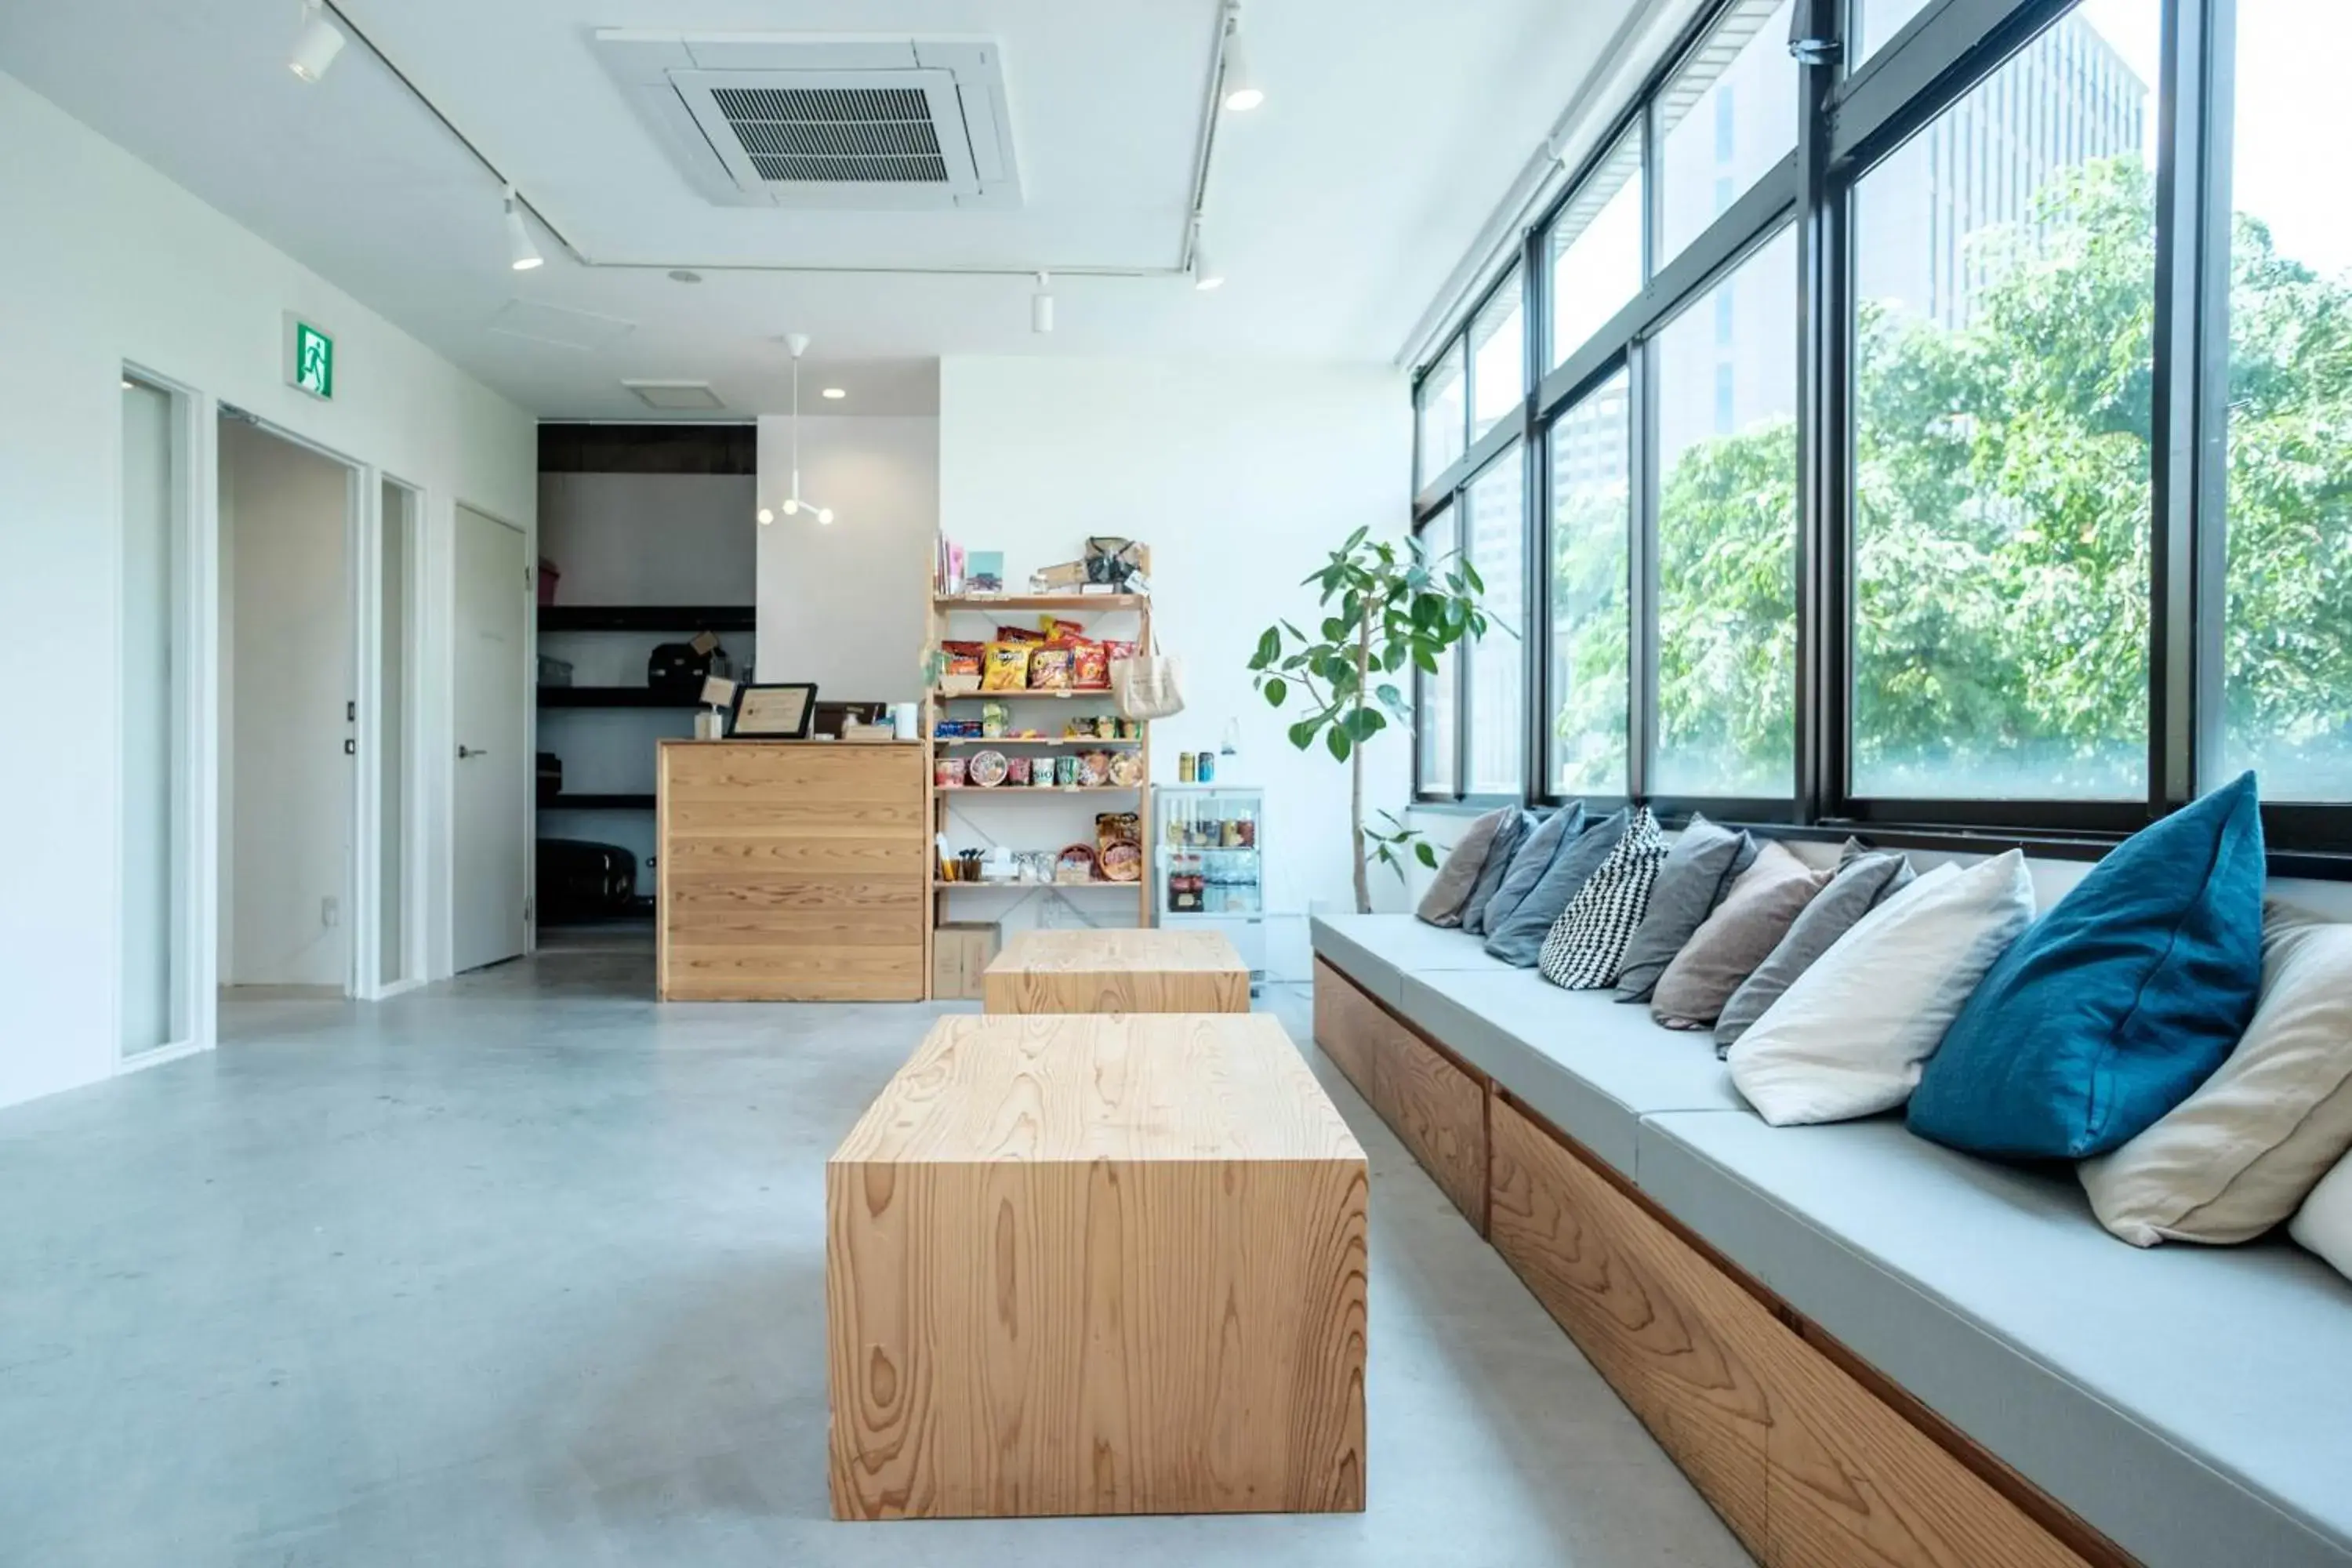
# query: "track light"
316, 46
1041, 307
522, 254
1240, 89
1205, 275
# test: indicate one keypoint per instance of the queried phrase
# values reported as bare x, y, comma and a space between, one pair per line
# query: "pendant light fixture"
793, 504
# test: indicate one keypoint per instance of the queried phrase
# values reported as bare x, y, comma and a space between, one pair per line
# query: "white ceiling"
1392, 128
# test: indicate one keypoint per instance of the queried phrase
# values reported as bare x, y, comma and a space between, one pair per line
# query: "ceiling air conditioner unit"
792, 120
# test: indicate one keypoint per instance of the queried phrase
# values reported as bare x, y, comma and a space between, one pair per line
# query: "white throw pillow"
1850, 1036
2325, 1222
2235, 1158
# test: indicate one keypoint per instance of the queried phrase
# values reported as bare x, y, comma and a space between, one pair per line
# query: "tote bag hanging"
1147, 686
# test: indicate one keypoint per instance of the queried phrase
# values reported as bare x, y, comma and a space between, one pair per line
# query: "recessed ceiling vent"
794, 120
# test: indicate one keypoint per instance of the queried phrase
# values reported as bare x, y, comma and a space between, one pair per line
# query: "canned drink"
1204, 769
1185, 767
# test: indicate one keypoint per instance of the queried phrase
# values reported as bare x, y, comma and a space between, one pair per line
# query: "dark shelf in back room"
597, 803
616, 696
648, 617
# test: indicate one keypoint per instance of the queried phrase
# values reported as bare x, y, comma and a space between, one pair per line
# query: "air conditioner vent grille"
825, 105
832, 171
835, 135
766, 138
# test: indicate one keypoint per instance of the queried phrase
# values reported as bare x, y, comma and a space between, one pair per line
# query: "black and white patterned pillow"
1586, 946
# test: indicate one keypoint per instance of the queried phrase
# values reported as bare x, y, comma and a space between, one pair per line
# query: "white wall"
843, 605
1241, 477
286, 786
105, 262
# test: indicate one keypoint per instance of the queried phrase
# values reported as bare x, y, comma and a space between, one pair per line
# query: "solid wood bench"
1145, 971
1087, 1264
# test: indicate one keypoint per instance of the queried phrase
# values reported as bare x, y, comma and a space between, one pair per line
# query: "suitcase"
677, 667
581, 881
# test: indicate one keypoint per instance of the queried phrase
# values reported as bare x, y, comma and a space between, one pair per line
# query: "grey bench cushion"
1377, 951
2193, 1404
1589, 1066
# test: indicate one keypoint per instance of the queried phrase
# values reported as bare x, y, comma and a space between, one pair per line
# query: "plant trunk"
1356, 767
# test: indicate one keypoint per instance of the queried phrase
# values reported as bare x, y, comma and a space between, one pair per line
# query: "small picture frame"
778, 712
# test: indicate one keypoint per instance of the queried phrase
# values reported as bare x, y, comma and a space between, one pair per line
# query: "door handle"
467, 752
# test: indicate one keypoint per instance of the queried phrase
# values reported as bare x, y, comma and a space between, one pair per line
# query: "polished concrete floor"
524, 1270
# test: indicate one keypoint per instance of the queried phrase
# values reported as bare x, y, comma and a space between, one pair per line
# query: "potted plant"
1385, 606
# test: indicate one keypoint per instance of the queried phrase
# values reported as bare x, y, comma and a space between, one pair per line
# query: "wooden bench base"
1813, 1458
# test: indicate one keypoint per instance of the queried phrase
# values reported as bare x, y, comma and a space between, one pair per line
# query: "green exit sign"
309, 358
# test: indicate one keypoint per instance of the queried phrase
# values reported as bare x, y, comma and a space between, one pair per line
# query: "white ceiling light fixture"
1239, 89
1205, 275
1041, 306
522, 254
793, 504
316, 45
835, 393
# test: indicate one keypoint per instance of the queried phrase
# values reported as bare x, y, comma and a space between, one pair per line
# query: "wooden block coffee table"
1149, 971
1086, 1265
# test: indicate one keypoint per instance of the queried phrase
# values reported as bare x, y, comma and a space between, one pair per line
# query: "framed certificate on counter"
780, 712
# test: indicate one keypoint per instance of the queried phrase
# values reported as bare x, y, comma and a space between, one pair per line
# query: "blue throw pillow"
1520, 939
1513, 830
2116, 1003
1533, 858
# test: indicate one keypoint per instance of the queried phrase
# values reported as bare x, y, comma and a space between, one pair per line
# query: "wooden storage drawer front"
1809, 1468
1348, 1028
1440, 1112
1645, 1309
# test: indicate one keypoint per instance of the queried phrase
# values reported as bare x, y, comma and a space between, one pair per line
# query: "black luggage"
681, 667
581, 881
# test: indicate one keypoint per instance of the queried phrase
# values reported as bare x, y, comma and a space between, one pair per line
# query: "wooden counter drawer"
1348, 1028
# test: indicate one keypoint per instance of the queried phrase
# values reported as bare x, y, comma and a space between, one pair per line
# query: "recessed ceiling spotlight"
680, 274
522, 254
318, 44
1041, 307
836, 393
1239, 88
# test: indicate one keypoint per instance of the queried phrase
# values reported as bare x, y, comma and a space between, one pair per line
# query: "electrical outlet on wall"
330, 911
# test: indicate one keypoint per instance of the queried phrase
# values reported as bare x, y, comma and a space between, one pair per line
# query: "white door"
490, 706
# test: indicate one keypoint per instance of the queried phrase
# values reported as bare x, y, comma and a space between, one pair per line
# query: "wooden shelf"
1028, 740
1099, 602
616, 696
1029, 693
648, 618
1039, 791
598, 802
1093, 887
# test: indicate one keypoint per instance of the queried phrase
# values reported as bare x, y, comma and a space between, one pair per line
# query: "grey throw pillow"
1531, 860
1441, 905
1585, 946
1515, 827
1520, 939
1865, 878
1700, 869
1752, 920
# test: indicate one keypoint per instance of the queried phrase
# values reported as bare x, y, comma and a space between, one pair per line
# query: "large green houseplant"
1385, 606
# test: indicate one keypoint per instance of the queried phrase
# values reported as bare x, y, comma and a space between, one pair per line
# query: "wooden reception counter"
792, 871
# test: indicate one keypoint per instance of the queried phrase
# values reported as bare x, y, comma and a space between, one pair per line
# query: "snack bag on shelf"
1008, 667
1050, 668
1019, 633
1058, 629
1089, 666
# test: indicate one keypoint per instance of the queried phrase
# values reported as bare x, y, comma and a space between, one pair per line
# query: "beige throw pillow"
1763, 903
1442, 904
2238, 1156
2323, 1224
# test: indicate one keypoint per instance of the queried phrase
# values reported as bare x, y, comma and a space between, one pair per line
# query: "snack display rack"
1125, 617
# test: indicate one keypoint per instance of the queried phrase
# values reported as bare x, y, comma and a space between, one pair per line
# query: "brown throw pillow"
1763, 903
1441, 905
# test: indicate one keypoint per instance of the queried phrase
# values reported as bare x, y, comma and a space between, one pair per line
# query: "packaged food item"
947, 771
1119, 845
1115, 650
1049, 668
963, 657
986, 769
1075, 863
1106, 727
1089, 666
1016, 770
1057, 629
1041, 773
1008, 667
1094, 769
994, 718
1065, 772
1126, 770
1020, 633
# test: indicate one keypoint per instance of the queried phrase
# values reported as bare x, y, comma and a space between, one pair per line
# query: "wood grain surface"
1348, 1028
1092, 1265
792, 872
1437, 1107
1145, 971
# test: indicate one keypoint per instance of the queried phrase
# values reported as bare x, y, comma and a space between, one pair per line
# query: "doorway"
288, 706
492, 713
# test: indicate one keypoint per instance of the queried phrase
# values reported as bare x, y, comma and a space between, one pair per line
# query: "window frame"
1852, 114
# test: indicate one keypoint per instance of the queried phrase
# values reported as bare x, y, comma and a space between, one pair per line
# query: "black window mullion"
2208, 598
1641, 592
1535, 534
1824, 443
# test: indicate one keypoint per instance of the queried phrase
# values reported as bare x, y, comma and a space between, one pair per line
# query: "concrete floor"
525, 1269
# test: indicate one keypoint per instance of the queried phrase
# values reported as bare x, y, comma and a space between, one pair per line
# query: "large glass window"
1498, 357
1497, 516
1440, 414
1726, 632
2002, 383
1436, 712
1596, 247
2287, 633
1727, 116
1591, 534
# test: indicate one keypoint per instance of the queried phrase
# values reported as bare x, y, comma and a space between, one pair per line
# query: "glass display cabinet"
1208, 865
